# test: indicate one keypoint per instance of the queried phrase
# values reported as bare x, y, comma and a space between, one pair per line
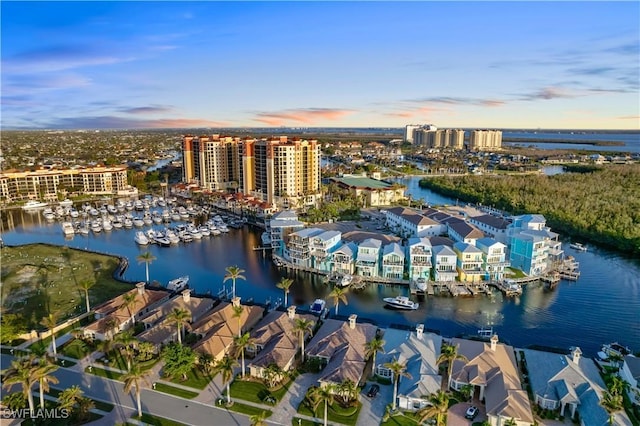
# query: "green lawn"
195, 379
255, 391
335, 413
161, 387
76, 348
249, 410
297, 421
70, 421
104, 406
400, 420
104, 373
156, 421
117, 360
516, 273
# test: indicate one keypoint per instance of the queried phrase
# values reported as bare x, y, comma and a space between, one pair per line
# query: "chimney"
235, 301
186, 295
575, 354
352, 321
420, 330
494, 342
291, 311
140, 287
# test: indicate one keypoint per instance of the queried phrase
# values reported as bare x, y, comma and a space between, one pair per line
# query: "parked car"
471, 413
373, 391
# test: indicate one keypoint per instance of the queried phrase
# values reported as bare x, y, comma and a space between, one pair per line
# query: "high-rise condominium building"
481, 140
411, 129
213, 162
439, 138
272, 169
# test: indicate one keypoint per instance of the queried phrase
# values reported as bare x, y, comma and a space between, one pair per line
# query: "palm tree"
338, 294
284, 284
323, 394
347, 390
147, 258
206, 363
50, 322
438, 407
69, 397
86, 285
23, 372
399, 370
134, 379
237, 313
240, 343
371, 348
127, 344
612, 403
272, 374
617, 385
225, 367
129, 302
511, 422
180, 317
258, 419
448, 355
85, 405
233, 273
302, 326
44, 376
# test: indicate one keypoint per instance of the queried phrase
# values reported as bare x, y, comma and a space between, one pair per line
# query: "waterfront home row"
569, 384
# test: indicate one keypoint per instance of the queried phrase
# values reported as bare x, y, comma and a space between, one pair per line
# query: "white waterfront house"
280, 226
494, 258
461, 231
368, 259
411, 223
393, 260
321, 247
299, 246
344, 258
492, 226
468, 262
418, 351
419, 258
444, 264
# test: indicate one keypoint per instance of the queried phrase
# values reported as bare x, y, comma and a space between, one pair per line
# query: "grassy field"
195, 379
39, 278
161, 387
255, 391
335, 413
156, 421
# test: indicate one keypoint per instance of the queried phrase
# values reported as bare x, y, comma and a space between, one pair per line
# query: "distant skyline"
103, 65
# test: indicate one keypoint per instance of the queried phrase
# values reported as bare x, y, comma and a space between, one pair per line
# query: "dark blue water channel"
602, 306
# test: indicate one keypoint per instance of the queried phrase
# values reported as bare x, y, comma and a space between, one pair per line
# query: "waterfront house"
570, 384
159, 329
322, 245
410, 223
344, 258
113, 316
372, 191
393, 261
492, 226
419, 258
630, 373
461, 231
340, 346
444, 264
279, 227
468, 262
218, 327
276, 341
532, 246
492, 370
418, 351
368, 259
299, 246
494, 258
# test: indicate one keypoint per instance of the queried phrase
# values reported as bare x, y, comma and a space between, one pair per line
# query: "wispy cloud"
303, 115
115, 122
447, 100
62, 57
148, 110
548, 93
28, 83
629, 117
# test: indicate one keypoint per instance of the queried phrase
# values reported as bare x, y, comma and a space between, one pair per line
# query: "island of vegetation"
597, 204
571, 141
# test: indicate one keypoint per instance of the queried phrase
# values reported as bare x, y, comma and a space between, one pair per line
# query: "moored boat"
317, 306
67, 228
33, 205
401, 302
578, 246
141, 239
421, 284
346, 280
178, 283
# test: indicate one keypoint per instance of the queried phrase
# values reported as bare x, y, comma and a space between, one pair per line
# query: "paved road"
171, 407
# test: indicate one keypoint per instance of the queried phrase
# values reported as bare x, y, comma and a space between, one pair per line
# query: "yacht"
178, 284
141, 239
317, 306
346, 280
67, 228
400, 302
66, 203
33, 205
421, 284
578, 247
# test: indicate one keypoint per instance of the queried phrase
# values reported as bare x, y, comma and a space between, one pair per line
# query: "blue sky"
329, 64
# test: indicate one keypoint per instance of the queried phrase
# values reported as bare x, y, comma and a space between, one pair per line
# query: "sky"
102, 65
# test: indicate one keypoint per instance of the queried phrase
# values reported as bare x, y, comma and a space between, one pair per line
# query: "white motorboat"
578, 246
141, 239
67, 228
421, 284
400, 302
66, 203
178, 284
346, 280
317, 306
34, 205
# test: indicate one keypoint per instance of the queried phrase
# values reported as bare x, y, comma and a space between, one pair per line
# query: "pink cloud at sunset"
308, 116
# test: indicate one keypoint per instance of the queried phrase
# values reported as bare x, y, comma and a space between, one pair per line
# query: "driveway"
456, 413
373, 408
